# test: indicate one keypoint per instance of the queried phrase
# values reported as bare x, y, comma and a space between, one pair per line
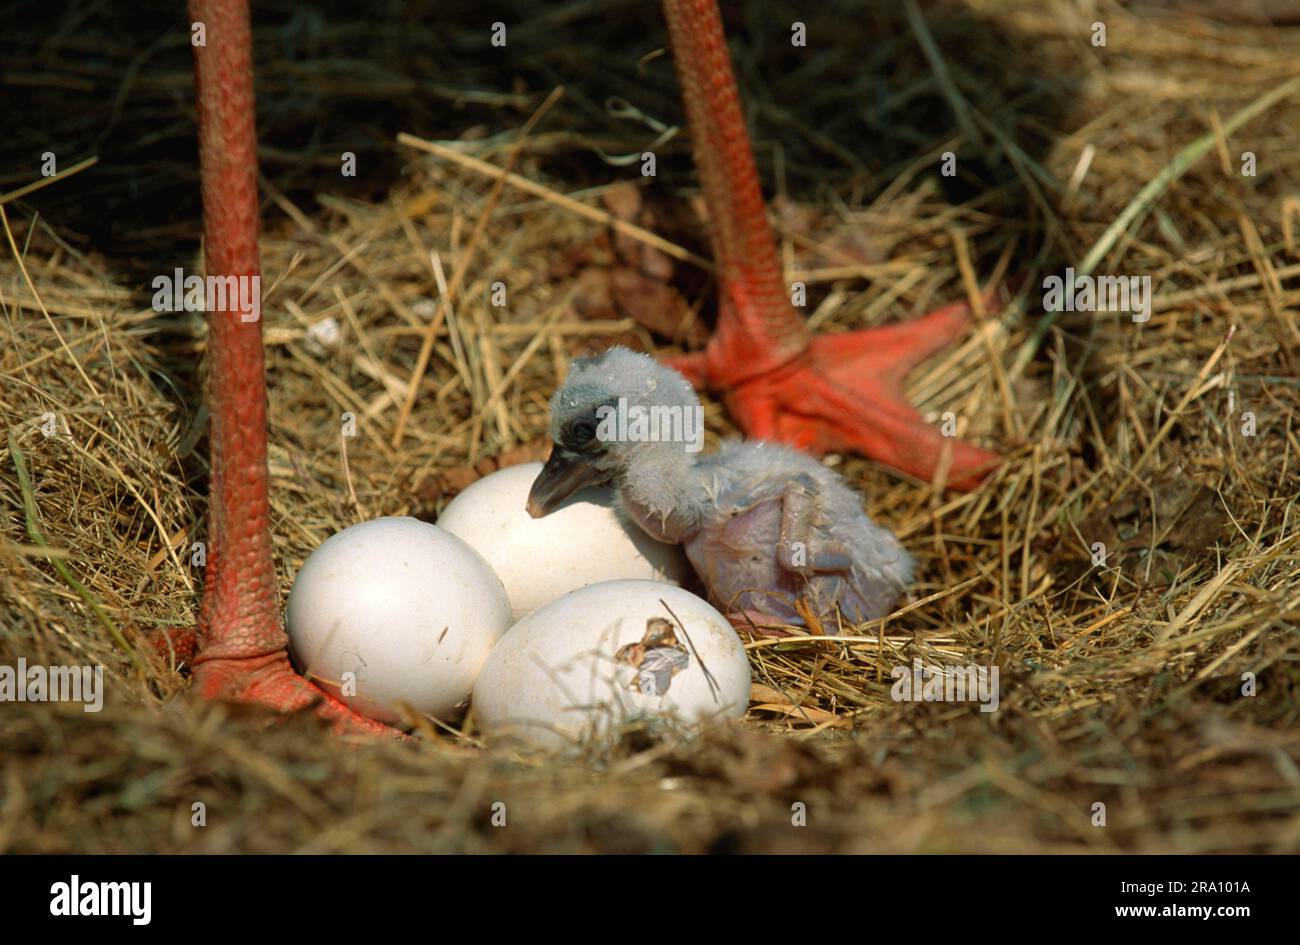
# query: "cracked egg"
614, 655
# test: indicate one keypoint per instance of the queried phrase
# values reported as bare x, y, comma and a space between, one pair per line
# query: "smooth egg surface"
395, 610
583, 542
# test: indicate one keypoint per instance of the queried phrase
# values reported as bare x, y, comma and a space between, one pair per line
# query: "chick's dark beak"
563, 475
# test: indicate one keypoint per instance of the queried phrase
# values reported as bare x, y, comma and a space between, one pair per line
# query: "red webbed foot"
271, 681
823, 394
845, 392
268, 681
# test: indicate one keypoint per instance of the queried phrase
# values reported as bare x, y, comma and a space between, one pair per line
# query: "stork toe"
270, 681
846, 393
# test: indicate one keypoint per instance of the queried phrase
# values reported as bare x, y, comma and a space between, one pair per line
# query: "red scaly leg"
242, 647
823, 394
757, 328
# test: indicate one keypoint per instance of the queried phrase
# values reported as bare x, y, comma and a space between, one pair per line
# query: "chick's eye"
584, 431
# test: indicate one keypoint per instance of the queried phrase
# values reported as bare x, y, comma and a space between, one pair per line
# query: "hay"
1120, 684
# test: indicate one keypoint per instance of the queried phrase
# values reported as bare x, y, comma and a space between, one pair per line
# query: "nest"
1171, 442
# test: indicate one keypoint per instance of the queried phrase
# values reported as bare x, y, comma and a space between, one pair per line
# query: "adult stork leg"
820, 393
242, 646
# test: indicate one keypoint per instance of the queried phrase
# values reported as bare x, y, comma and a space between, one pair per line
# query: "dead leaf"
1153, 535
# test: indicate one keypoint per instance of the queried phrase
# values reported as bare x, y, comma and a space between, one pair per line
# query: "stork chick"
764, 526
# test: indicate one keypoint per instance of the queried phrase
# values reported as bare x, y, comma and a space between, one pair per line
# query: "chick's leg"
799, 550
761, 624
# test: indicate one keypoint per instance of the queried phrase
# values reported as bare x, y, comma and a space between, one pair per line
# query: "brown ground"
1122, 684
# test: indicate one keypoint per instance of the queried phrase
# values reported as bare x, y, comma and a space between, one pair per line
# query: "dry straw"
1121, 683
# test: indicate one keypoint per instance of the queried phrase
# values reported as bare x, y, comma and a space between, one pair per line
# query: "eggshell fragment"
583, 542
407, 608
572, 673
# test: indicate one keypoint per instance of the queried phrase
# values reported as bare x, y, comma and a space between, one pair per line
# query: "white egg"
583, 542
406, 608
571, 673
